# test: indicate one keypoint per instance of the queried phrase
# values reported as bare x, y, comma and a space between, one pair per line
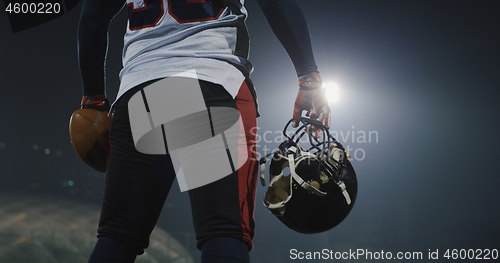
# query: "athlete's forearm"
289, 24
93, 43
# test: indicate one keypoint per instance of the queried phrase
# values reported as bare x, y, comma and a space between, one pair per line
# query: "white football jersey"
169, 37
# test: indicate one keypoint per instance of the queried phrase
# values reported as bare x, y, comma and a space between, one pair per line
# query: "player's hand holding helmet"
89, 129
311, 98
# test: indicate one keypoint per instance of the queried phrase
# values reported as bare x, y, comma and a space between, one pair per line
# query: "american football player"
167, 38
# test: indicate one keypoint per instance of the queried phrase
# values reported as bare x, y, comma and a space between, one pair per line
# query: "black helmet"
321, 188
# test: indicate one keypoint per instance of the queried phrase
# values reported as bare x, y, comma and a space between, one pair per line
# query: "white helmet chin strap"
344, 192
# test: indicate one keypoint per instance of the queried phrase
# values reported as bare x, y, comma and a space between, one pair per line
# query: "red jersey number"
144, 16
184, 11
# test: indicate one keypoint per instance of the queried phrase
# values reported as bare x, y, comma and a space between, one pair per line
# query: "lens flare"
332, 91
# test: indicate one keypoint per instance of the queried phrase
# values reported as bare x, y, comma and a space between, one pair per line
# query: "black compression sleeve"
95, 19
289, 25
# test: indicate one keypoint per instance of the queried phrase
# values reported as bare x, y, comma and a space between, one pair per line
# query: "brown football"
89, 133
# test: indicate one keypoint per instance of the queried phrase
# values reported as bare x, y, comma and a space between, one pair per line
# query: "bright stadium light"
332, 91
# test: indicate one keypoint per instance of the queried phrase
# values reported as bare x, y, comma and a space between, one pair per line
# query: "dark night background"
424, 76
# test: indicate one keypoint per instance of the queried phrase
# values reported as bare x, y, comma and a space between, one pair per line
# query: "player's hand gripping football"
99, 103
311, 98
